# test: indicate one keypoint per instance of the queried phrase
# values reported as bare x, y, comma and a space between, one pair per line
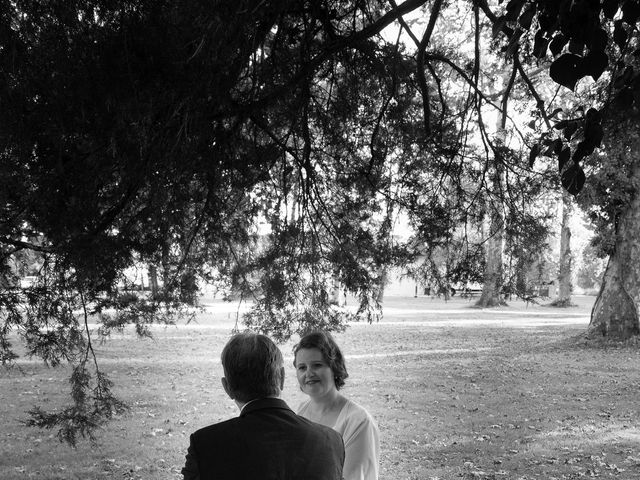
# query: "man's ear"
227, 389
282, 378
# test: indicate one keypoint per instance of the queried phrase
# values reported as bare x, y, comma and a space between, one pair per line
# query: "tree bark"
335, 297
566, 257
153, 280
493, 281
617, 309
492, 287
384, 279
493, 268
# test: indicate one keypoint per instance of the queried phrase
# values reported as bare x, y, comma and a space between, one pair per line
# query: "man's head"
253, 367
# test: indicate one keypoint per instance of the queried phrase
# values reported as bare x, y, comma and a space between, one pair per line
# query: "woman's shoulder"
356, 412
357, 425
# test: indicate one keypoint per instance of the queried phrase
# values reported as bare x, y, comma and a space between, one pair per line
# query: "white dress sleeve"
361, 443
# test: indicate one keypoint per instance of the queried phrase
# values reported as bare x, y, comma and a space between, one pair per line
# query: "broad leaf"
595, 63
566, 70
593, 132
570, 129
610, 8
554, 148
582, 150
563, 158
631, 11
599, 40
619, 34
576, 46
557, 43
527, 16
573, 179
540, 44
513, 9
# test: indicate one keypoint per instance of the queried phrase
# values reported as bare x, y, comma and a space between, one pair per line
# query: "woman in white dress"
321, 372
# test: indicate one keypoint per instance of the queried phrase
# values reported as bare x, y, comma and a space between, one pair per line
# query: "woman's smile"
314, 374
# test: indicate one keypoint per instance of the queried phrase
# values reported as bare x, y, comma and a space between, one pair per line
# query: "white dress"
361, 441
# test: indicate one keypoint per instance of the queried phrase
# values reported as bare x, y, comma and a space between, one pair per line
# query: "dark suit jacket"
268, 441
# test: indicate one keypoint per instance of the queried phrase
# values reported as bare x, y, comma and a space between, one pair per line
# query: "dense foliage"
269, 148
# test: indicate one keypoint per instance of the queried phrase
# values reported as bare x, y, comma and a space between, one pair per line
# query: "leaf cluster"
93, 406
584, 39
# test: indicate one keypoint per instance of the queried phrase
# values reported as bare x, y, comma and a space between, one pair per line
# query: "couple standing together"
331, 437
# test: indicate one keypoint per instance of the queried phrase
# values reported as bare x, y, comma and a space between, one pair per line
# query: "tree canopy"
269, 145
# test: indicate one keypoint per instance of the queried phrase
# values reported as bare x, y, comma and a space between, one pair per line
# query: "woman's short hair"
252, 365
331, 353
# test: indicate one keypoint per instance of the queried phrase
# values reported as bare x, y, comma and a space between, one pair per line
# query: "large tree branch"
505, 96
482, 4
331, 48
526, 77
421, 65
422, 80
25, 245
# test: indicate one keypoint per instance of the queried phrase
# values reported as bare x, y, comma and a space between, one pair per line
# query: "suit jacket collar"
262, 403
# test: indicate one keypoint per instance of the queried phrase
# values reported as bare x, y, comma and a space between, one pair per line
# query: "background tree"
566, 258
591, 269
589, 39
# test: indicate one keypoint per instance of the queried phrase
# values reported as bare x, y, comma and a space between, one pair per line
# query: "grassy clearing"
512, 393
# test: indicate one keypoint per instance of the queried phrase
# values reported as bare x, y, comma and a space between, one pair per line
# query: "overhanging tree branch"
422, 80
26, 245
311, 66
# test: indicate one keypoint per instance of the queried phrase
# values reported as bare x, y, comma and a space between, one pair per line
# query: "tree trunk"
566, 258
493, 281
617, 309
153, 280
492, 287
165, 267
384, 279
334, 293
493, 268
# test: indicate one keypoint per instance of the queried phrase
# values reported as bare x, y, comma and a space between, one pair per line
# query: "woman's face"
314, 374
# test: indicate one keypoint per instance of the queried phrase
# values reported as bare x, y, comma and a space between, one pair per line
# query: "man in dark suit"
268, 441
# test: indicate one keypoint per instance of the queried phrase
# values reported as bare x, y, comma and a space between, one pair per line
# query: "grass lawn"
510, 393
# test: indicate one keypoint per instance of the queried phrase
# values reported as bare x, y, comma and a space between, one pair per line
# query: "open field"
512, 393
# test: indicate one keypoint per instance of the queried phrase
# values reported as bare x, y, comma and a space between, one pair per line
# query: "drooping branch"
309, 67
380, 117
505, 97
460, 71
422, 84
532, 89
422, 80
